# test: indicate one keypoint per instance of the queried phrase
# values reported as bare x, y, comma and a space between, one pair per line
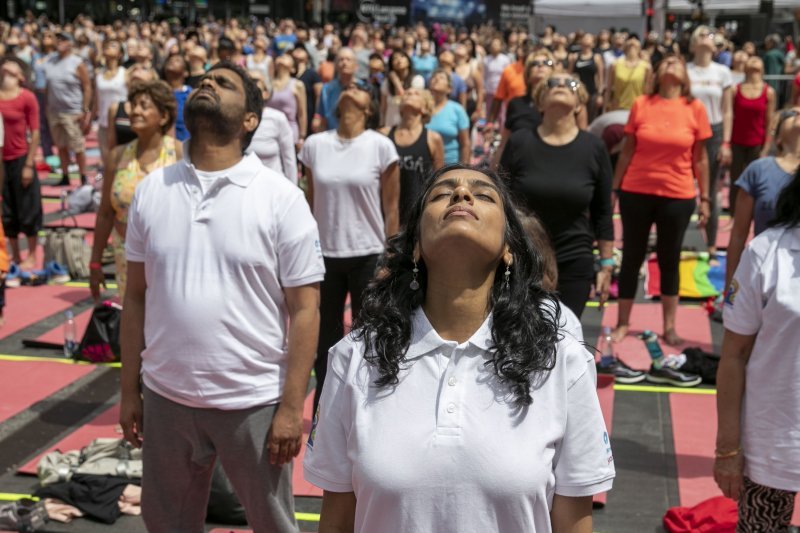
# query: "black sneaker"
671, 376
622, 373
64, 182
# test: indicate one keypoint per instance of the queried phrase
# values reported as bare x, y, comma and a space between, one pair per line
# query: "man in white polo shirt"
221, 318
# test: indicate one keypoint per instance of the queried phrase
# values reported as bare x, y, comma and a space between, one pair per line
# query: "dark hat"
64, 36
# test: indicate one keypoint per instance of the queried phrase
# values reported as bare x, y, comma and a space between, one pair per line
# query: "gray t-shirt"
764, 180
64, 91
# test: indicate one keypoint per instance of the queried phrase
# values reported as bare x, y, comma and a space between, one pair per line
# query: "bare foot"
28, 264
671, 337
619, 333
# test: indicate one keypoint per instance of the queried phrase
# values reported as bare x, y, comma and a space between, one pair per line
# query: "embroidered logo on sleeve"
313, 434
730, 294
608, 447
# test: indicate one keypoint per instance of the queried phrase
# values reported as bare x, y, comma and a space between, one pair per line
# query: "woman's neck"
402, 73
282, 75
558, 125
457, 302
702, 58
668, 90
439, 99
753, 79
112, 65
148, 141
11, 91
790, 153
410, 121
351, 124
631, 57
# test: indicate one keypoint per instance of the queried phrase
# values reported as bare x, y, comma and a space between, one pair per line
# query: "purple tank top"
286, 102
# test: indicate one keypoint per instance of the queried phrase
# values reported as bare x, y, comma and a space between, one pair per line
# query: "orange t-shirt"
4, 263
665, 133
512, 82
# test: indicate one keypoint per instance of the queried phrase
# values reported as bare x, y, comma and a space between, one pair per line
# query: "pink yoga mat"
27, 305
692, 325
56, 335
694, 427
23, 383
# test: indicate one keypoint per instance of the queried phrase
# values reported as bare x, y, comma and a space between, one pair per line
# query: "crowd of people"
459, 186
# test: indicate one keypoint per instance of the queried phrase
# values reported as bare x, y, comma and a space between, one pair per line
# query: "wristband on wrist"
726, 144
727, 455
608, 261
705, 199
95, 266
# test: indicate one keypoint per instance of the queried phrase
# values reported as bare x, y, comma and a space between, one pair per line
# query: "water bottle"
653, 348
70, 335
606, 347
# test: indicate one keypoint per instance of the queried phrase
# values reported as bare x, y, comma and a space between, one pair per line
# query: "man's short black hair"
253, 100
225, 43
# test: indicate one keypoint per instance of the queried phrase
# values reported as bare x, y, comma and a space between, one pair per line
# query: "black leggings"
342, 276
22, 206
575, 279
671, 217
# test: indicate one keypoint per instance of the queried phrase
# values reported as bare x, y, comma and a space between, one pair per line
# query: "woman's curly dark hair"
525, 315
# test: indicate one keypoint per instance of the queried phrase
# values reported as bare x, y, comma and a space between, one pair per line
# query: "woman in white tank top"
111, 88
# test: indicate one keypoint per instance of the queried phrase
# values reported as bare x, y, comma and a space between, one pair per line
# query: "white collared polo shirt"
216, 263
444, 450
763, 301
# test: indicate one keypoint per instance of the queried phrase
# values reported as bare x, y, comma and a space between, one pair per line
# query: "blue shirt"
459, 86
764, 180
282, 42
326, 108
448, 122
425, 65
181, 133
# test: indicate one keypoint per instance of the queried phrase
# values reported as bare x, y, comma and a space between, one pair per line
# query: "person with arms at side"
353, 187
458, 87
712, 85
289, 96
47, 47
22, 196
663, 155
449, 120
457, 363
311, 81
758, 403
760, 185
110, 88
774, 58
325, 117
468, 68
176, 69
272, 141
153, 112
220, 318
563, 174
753, 110
420, 150
494, 64
628, 77
260, 60
69, 97
588, 65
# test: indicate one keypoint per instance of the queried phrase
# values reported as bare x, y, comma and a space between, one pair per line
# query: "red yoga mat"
23, 383
692, 324
694, 427
27, 305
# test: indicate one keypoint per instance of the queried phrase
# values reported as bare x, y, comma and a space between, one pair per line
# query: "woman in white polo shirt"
456, 405
758, 400
353, 187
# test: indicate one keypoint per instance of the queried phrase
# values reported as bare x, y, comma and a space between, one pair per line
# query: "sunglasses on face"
541, 63
552, 83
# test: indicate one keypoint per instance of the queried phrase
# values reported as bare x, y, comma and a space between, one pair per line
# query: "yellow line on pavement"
675, 390
307, 517
85, 285
7, 357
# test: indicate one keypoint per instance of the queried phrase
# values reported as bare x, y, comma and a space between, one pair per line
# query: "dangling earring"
414, 285
507, 276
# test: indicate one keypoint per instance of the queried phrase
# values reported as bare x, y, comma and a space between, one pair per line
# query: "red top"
20, 114
665, 132
749, 118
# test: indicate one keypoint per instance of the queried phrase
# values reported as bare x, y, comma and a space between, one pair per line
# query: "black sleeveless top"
586, 70
122, 126
415, 164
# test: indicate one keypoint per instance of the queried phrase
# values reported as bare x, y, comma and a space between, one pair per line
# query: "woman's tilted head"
464, 218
